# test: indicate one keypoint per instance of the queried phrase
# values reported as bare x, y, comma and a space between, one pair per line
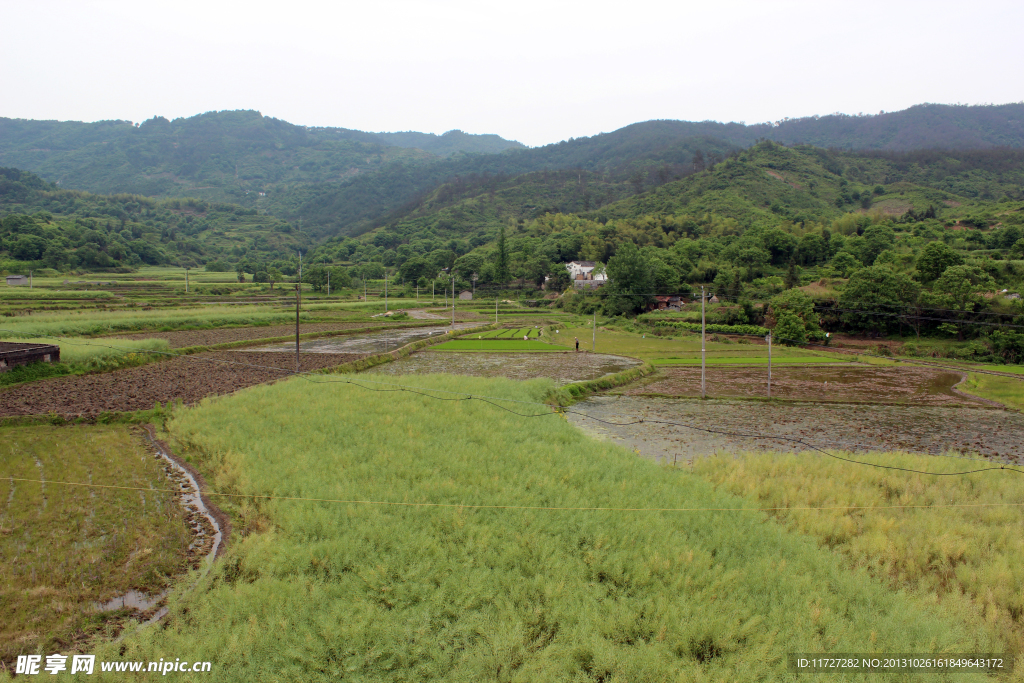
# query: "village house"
666, 303
584, 270
16, 280
465, 295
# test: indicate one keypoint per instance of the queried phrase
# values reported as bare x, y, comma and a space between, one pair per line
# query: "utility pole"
769, 363
30, 280
432, 293
328, 282
298, 305
186, 280
593, 342
385, 290
495, 309
703, 387
453, 300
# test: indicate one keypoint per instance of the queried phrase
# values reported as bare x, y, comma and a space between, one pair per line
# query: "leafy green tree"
812, 249
846, 263
961, 289
935, 258
274, 275
878, 299
631, 281
1017, 250
789, 329
798, 303
415, 268
877, 238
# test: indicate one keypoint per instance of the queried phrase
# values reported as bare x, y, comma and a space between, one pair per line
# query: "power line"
492, 400
477, 506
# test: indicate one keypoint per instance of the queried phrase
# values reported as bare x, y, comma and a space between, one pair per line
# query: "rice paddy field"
67, 549
379, 534
490, 546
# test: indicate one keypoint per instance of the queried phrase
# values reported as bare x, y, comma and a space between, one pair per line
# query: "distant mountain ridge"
343, 181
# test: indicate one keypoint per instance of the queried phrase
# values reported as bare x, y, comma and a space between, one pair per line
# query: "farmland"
75, 546
409, 579
402, 588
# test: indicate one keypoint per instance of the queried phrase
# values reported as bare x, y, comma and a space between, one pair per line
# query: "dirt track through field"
189, 378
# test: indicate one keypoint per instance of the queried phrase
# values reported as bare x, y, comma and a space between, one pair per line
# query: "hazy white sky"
536, 72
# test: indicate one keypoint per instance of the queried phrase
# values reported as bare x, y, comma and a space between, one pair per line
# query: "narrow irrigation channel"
207, 524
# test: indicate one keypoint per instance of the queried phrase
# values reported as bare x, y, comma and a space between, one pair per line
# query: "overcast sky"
537, 72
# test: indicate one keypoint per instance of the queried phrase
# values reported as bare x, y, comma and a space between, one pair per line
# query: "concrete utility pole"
453, 301
769, 363
30, 280
703, 388
186, 280
593, 343
385, 290
432, 293
495, 309
298, 305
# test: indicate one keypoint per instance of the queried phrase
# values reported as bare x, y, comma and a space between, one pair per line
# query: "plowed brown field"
189, 378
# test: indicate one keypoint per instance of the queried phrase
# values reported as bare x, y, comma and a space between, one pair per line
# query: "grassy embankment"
322, 590
968, 558
1006, 390
64, 548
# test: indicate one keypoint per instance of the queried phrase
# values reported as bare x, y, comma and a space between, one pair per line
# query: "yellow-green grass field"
406, 581
91, 323
1006, 390
968, 556
64, 548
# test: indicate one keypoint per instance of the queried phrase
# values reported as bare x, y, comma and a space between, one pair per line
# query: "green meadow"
456, 541
498, 344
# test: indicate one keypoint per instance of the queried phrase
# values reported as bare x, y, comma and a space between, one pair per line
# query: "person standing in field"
577, 344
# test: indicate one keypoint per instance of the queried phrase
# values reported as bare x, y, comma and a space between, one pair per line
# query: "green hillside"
344, 182
45, 226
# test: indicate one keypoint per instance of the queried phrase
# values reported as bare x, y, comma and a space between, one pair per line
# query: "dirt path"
189, 378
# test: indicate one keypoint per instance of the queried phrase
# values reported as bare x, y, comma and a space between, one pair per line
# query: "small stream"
206, 536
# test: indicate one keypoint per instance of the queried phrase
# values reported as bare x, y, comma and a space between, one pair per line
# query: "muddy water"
206, 537
376, 342
984, 432
561, 367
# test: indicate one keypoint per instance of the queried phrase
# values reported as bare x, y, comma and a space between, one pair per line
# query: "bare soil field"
189, 378
840, 384
561, 367
182, 338
935, 430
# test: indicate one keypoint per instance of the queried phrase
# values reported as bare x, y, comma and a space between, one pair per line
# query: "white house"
584, 270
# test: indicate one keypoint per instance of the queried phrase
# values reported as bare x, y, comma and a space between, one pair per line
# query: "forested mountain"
342, 181
42, 225
738, 221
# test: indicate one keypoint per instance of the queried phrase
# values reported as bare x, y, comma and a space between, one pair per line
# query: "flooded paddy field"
965, 429
842, 384
562, 367
377, 342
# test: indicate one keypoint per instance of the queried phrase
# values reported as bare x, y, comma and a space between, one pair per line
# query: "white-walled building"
584, 270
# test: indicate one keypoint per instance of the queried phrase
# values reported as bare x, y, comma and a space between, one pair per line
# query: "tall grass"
966, 554
22, 294
87, 323
319, 591
86, 351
